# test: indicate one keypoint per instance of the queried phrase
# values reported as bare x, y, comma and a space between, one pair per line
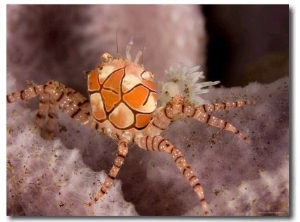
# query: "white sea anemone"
183, 81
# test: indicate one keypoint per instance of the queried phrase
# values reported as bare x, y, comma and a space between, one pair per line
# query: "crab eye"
106, 57
147, 75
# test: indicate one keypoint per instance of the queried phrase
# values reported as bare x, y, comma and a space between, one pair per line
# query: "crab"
122, 104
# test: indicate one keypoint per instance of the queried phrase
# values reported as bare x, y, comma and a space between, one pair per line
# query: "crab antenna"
138, 56
117, 42
143, 52
128, 47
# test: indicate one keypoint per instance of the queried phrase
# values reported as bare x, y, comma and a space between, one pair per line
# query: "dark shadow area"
247, 43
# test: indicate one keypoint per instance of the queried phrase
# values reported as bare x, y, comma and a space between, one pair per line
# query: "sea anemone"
183, 81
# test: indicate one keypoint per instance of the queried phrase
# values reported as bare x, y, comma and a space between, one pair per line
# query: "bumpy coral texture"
58, 176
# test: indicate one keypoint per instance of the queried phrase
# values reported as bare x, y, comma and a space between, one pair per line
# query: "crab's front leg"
178, 108
158, 143
118, 163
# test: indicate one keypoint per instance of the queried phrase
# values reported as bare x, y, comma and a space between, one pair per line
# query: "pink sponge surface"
57, 177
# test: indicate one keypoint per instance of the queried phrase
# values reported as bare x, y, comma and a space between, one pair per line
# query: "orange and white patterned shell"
122, 92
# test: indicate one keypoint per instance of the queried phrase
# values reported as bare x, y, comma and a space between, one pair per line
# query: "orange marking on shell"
122, 117
93, 81
109, 68
114, 81
132, 77
150, 84
140, 100
97, 106
110, 99
137, 97
142, 120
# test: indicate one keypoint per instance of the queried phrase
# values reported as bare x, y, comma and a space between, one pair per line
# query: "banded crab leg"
179, 109
54, 95
118, 163
158, 143
211, 107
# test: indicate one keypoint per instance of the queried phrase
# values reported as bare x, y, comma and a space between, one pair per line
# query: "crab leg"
219, 123
178, 109
54, 95
118, 163
211, 107
158, 143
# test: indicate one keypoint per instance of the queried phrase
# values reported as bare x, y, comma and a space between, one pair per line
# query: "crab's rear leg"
53, 96
118, 162
158, 143
47, 115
